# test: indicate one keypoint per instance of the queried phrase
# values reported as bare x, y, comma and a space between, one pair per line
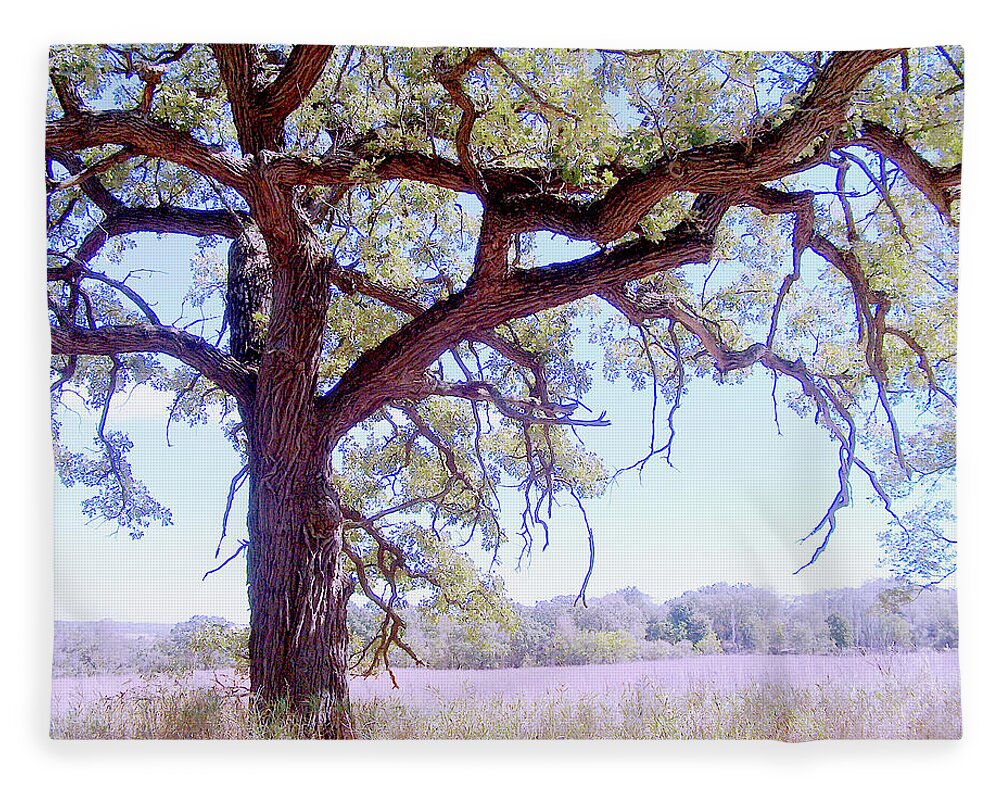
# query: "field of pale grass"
792, 698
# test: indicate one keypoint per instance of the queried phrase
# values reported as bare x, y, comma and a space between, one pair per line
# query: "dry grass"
904, 703
757, 712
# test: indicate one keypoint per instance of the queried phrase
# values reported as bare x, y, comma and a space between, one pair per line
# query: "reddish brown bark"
298, 589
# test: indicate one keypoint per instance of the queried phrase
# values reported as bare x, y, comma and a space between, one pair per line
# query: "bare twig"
242, 548
234, 486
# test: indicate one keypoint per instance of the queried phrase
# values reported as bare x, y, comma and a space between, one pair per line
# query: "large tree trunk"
298, 588
298, 602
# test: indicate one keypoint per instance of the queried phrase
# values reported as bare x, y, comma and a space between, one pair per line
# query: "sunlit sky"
732, 508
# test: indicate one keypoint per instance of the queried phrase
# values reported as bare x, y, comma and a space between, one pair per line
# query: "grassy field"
792, 698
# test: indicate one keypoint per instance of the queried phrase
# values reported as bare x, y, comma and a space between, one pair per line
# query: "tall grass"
890, 710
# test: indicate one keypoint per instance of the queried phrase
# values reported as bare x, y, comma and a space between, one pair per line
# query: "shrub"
709, 644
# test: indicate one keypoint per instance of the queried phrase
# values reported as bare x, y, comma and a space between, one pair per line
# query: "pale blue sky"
732, 509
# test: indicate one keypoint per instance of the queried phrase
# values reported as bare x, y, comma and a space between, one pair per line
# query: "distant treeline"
620, 627
628, 626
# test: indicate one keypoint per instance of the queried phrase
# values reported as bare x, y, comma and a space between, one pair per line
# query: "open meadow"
792, 698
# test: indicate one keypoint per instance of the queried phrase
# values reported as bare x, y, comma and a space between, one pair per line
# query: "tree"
612, 613
683, 622
389, 348
840, 630
709, 644
737, 613
529, 642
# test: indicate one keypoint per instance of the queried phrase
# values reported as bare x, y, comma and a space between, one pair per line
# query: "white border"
27, 575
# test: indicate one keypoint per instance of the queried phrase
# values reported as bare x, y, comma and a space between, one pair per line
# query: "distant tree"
610, 613
682, 623
942, 635
641, 601
216, 643
181, 633
738, 613
898, 634
709, 644
840, 630
572, 646
755, 635
665, 630
934, 618
529, 640
698, 626
77, 652
894, 599
384, 347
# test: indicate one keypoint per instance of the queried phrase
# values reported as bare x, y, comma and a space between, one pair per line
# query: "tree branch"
301, 73
937, 184
260, 109
347, 167
241, 68
451, 79
90, 186
90, 173
721, 168
216, 366
395, 369
522, 411
75, 271
528, 201
161, 219
86, 129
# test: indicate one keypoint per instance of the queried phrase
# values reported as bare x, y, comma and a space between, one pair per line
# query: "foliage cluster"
108, 648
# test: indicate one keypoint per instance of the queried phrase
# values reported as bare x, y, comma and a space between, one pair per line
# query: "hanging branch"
186, 390
390, 632
451, 79
882, 190
242, 548
112, 454
519, 410
234, 486
65, 374
582, 595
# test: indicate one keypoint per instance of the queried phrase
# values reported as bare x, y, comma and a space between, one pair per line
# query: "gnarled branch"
216, 366
939, 185
87, 129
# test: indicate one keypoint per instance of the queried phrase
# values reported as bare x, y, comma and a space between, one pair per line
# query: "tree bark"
248, 296
298, 590
297, 584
